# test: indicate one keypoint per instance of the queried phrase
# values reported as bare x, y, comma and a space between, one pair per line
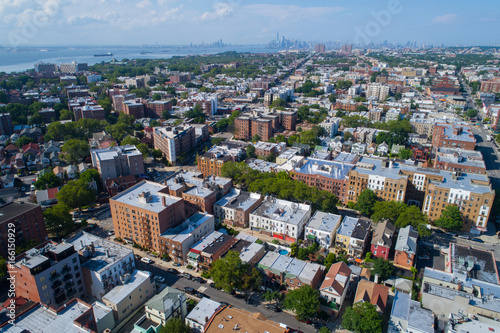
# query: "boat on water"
109, 54
146, 52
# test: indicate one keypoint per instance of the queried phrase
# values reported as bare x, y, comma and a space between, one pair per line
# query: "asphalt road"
254, 304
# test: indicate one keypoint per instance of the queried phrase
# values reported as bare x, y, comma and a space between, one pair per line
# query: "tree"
24, 140
278, 102
58, 219
156, 97
271, 295
74, 150
384, 268
471, 113
387, 210
175, 325
91, 175
143, 148
304, 301
366, 202
414, 217
3, 268
347, 135
130, 140
217, 141
405, 154
49, 180
252, 280
332, 98
36, 119
362, 318
324, 329
228, 272
256, 138
65, 114
451, 218
251, 151
157, 153
76, 194
294, 249
329, 261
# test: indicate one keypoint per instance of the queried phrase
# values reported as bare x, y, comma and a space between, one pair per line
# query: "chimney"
164, 201
107, 253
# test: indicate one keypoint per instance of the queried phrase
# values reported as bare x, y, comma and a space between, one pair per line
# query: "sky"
172, 22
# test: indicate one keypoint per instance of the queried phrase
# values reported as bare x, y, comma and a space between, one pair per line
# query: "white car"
160, 279
146, 260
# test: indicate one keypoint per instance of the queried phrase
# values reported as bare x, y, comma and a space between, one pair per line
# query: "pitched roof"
371, 292
337, 278
383, 234
12, 147
407, 240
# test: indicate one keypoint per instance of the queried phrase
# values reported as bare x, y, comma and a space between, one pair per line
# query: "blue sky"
137, 22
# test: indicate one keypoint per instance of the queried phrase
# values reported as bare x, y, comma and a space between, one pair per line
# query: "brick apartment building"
174, 141
50, 273
490, 86
235, 208
211, 163
144, 211
209, 249
431, 189
453, 136
6, 127
25, 221
454, 159
117, 161
134, 108
264, 125
155, 109
86, 108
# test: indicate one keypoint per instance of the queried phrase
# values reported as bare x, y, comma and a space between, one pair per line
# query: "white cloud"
445, 19
143, 4
221, 10
290, 12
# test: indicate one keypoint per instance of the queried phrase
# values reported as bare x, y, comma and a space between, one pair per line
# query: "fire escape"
145, 232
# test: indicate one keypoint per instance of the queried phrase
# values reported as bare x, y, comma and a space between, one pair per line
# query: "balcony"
54, 277
65, 269
58, 291
56, 284
69, 284
67, 277
70, 292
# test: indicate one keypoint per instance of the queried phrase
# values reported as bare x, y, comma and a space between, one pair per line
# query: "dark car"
212, 285
224, 304
187, 276
273, 307
479, 240
201, 295
189, 290
172, 270
199, 279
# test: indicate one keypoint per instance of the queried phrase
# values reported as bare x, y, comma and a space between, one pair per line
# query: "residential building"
143, 212
456, 159
200, 317
118, 184
352, 236
103, 262
134, 108
471, 262
382, 239
174, 142
209, 249
230, 319
250, 252
430, 189
379, 91
155, 109
170, 303
406, 248
177, 241
453, 136
86, 108
136, 288
234, 209
211, 162
6, 127
328, 176
74, 316
73, 67
319, 48
47, 197
117, 161
45, 68
336, 284
24, 222
199, 199
280, 218
50, 273
490, 86
321, 228
408, 316
373, 293
290, 272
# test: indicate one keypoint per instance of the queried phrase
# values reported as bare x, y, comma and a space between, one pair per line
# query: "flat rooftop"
475, 263
113, 152
11, 210
186, 228
330, 169
282, 210
230, 319
100, 260
44, 320
118, 293
291, 267
237, 199
145, 195
325, 222
203, 311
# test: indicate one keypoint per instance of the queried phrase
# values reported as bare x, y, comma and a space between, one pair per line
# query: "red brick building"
155, 109
491, 86
453, 136
406, 248
134, 108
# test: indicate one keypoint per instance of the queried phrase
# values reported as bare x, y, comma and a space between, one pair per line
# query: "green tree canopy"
304, 301
251, 151
405, 154
49, 180
366, 202
175, 325
362, 318
387, 210
65, 114
130, 140
58, 219
414, 217
228, 272
76, 193
450, 218
384, 268
75, 150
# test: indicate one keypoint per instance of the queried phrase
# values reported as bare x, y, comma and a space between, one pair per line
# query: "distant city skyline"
238, 22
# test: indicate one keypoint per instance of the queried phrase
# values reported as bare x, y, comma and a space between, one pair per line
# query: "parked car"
198, 279
160, 279
177, 264
146, 260
224, 304
451, 234
172, 270
479, 240
189, 290
424, 257
464, 236
111, 233
187, 276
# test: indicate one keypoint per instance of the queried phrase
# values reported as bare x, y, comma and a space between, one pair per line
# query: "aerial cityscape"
284, 167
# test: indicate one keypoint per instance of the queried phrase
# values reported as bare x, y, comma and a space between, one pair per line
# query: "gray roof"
322, 221
203, 311
237, 199
419, 319
13, 209
291, 267
383, 233
407, 240
354, 227
400, 306
330, 169
282, 210
118, 293
165, 300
